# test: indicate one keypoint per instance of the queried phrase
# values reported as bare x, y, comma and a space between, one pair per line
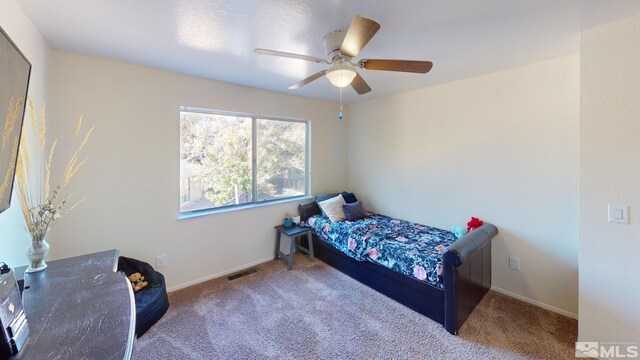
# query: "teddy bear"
474, 223
137, 281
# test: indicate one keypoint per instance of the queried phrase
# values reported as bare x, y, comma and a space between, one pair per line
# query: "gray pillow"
354, 211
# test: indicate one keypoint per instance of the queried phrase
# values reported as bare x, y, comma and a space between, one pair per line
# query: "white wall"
610, 173
503, 147
13, 237
132, 177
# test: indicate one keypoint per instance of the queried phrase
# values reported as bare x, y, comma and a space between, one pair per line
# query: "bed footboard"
467, 275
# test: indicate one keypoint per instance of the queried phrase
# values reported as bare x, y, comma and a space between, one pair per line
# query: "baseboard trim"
535, 302
217, 275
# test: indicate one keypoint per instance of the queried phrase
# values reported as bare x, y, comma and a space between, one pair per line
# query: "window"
230, 159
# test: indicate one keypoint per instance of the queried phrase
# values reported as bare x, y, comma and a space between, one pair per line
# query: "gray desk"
79, 308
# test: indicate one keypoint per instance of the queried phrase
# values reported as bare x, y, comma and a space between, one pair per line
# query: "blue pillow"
354, 211
348, 197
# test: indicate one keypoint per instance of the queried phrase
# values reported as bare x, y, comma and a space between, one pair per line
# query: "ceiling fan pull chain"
340, 116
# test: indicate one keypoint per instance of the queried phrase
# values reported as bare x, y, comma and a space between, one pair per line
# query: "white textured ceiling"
215, 38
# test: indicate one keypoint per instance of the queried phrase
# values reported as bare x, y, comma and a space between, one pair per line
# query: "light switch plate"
619, 213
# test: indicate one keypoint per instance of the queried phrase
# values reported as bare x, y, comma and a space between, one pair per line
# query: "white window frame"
254, 162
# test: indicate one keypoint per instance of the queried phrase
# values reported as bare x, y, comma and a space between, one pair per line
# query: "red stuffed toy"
473, 224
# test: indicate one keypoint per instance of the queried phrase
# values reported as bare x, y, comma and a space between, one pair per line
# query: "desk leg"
310, 245
291, 247
277, 256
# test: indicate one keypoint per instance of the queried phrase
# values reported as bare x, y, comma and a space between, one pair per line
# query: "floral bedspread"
411, 249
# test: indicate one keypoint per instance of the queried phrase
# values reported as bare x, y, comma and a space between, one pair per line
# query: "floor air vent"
241, 274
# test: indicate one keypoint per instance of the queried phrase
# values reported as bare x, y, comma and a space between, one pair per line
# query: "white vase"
36, 253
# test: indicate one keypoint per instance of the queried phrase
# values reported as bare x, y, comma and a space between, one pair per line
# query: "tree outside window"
217, 166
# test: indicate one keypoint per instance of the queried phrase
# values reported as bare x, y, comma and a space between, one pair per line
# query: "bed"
423, 268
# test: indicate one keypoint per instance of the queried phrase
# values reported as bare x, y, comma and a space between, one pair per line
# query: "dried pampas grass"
41, 207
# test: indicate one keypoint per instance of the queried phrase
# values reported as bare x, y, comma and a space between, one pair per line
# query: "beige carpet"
316, 312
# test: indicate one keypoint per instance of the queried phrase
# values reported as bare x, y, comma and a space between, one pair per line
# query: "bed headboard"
308, 209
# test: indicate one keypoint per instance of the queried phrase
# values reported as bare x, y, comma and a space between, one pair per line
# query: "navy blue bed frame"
466, 273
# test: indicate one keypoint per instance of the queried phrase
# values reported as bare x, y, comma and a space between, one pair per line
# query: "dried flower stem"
42, 211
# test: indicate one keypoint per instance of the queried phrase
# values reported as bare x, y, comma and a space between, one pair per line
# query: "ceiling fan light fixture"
341, 75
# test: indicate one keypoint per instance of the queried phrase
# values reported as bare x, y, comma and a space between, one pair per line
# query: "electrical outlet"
161, 261
514, 263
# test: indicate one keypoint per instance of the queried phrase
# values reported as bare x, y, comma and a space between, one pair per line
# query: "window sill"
207, 212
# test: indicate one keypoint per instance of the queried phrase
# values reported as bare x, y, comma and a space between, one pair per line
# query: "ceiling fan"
341, 48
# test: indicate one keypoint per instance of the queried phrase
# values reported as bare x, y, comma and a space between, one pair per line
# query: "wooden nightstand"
293, 233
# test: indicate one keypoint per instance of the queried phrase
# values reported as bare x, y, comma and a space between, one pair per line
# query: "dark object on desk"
79, 308
14, 329
152, 302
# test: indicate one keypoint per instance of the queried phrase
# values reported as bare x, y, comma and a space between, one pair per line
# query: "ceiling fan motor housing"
332, 43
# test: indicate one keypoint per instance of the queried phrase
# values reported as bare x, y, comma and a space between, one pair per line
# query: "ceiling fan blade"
359, 85
290, 55
360, 32
311, 78
412, 66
